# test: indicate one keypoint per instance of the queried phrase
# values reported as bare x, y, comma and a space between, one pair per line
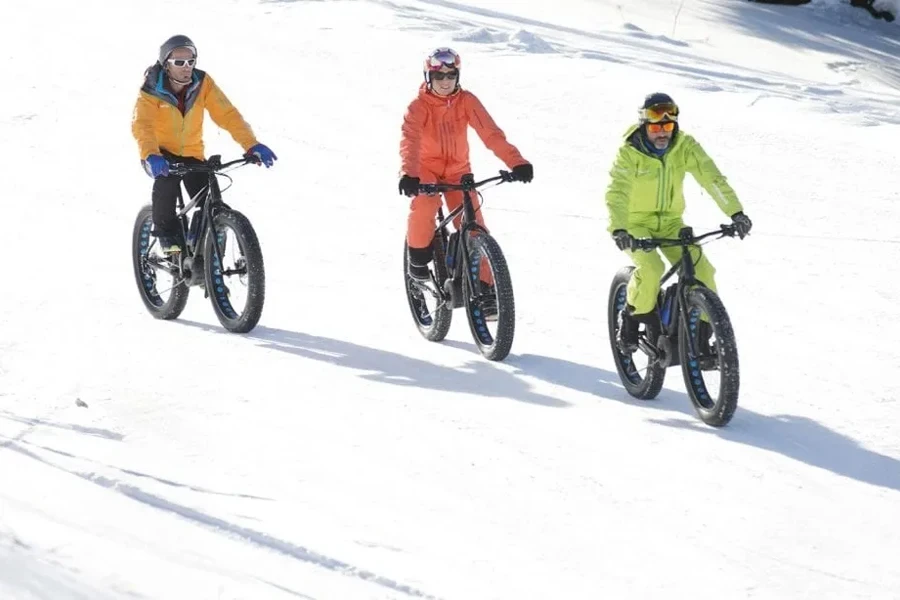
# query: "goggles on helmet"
443, 57
660, 112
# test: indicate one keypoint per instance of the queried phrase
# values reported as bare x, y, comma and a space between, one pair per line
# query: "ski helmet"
658, 108
441, 57
176, 41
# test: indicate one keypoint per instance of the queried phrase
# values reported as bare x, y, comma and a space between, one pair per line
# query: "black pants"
166, 191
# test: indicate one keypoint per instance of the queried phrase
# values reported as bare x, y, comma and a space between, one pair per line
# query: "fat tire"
494, 348
256, 274
440, 319
716, 412
642, 388
140, 245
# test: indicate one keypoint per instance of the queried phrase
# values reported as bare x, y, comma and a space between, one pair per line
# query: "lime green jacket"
647, 192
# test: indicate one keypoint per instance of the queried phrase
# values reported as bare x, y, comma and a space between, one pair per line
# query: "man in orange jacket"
168, 126
434, 149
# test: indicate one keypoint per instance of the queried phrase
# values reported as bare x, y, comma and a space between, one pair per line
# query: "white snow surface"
332, 453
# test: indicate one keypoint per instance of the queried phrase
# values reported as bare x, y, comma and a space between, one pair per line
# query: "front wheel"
641, 375
716, 365
239, 281
161, 286
489, 301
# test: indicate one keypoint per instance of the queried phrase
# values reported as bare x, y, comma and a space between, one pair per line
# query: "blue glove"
156, 166
262, 152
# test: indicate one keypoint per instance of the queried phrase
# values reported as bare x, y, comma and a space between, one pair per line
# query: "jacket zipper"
661, 193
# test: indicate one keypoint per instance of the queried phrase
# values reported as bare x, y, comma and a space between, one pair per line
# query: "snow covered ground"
332, 452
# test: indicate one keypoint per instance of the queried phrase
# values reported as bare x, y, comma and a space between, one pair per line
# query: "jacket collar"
636, 139
154, 84
433, 99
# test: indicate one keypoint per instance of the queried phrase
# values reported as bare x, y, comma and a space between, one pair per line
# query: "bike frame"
468, 222
210, 202
684, 268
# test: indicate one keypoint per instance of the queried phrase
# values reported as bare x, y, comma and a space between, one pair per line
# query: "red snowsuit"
435, 148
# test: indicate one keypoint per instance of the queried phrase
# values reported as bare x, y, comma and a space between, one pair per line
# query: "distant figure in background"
168, 126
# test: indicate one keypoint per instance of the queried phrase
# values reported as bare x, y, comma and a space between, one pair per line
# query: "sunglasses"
658, 112
668, 127
180, 62
440, 75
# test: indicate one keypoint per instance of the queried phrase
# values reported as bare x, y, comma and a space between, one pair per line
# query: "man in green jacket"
645, 199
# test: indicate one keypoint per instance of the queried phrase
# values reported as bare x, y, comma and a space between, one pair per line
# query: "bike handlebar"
686, 238
467, 183
213, 165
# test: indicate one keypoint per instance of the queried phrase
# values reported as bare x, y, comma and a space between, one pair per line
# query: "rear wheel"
641, 376
430, 313
163, 291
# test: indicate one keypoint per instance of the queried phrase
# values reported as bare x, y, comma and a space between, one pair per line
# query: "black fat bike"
709, 366
220, 253
460, 260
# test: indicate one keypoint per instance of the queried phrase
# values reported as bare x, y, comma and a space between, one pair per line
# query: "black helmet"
176, 41
658, 107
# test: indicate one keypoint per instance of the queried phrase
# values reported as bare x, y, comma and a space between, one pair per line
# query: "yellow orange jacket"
434, 135
158, 124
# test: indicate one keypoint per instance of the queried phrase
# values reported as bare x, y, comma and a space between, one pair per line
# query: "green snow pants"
643, 289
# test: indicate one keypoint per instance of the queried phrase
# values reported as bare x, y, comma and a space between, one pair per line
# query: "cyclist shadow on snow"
799, 438
477, 377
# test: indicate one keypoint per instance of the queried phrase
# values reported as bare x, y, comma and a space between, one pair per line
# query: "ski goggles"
180, 62
444, 57
658, 112
667, 126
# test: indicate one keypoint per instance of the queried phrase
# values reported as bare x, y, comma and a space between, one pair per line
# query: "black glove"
742, 223
524, 172
409, 186
623, 239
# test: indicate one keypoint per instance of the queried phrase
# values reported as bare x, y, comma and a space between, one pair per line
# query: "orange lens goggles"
668, 126
658, 112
